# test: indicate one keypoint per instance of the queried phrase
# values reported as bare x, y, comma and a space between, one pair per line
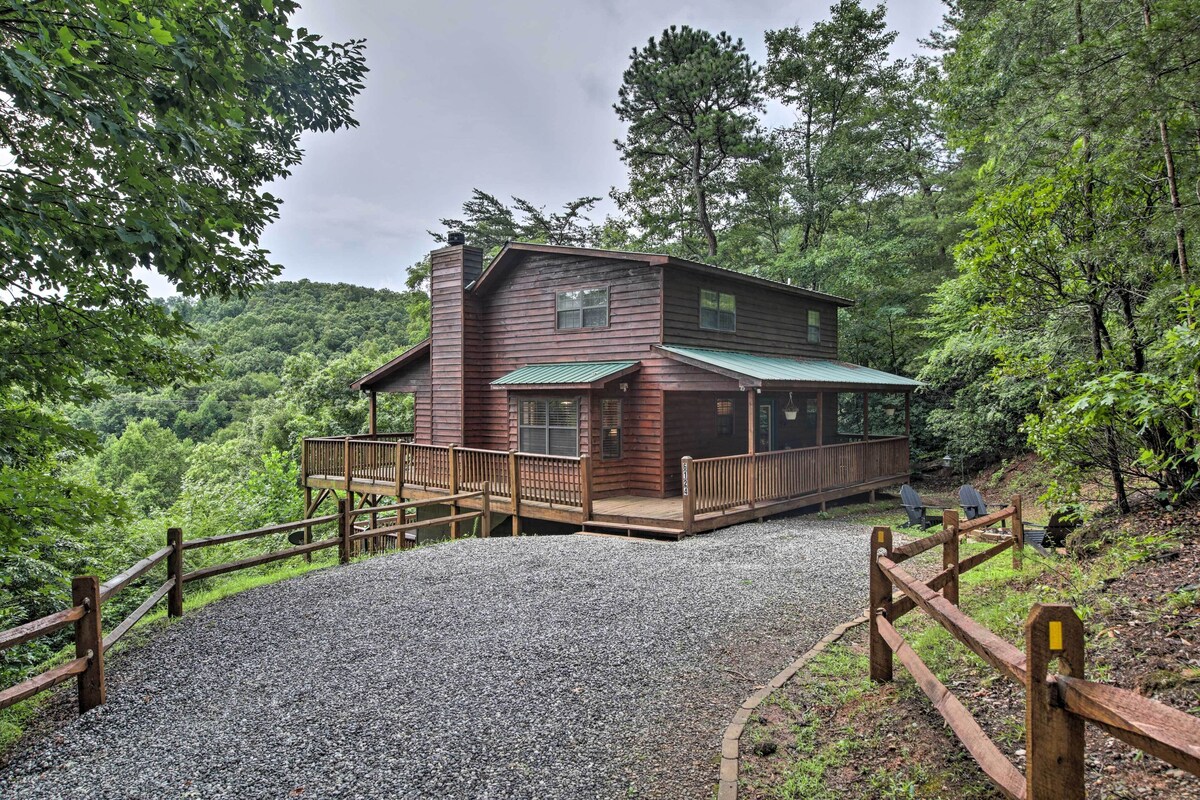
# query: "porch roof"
574, 374
774, 371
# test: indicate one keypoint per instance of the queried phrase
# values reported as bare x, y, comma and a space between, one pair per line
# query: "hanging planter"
790, 411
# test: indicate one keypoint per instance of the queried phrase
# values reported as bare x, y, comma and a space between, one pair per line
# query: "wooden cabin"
624, 390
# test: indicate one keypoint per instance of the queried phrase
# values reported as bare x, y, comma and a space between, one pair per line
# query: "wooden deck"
724, 491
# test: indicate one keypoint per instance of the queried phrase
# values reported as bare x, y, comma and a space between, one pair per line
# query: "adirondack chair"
914, 506
972, 501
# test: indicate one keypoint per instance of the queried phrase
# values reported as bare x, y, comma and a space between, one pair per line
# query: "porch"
715, 492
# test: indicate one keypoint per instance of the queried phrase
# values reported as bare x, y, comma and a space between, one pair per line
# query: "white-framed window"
582, 308
611, 421
814, 326
718, 311
549, 426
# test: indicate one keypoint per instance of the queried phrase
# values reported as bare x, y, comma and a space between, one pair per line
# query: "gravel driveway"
540, 667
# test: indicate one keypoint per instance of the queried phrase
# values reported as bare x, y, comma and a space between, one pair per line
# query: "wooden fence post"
1054, 737
752, 477
346, 528
950, 555
1018, 528
585, 486
514, 490
486, 519
452, 463
175, 570
89, 642
687, 471
880, 604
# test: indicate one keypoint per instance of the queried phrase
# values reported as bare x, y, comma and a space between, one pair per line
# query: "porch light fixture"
946, 461
624, 387
790, 411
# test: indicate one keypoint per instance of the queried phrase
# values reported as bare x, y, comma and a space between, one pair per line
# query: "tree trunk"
702, 203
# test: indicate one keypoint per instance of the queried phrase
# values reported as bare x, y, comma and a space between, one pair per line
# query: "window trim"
581, 327
720, 296
548, 427
810, 327
620, 426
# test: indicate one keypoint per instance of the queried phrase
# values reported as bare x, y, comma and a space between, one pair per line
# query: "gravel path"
540, 667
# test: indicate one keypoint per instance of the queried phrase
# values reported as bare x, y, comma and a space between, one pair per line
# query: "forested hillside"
221, 453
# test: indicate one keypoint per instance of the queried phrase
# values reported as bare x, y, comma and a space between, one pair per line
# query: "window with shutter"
610, 428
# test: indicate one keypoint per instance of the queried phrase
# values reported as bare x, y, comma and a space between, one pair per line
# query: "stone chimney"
455, 328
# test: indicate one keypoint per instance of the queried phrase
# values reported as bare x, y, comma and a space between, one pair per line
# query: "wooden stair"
630, 529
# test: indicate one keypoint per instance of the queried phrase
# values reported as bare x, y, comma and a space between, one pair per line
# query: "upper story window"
583, 308
814, 327
549, 426
718, 311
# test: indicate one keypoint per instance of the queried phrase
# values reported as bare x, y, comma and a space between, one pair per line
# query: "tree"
690, 100
141, 136
488, 222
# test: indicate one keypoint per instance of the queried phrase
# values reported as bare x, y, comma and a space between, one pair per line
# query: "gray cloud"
511, 97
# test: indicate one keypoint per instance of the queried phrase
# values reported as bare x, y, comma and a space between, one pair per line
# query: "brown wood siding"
769, 323
451, 314
414, 378
518, 327
691, 430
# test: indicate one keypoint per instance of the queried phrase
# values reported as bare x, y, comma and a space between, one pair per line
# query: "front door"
765, 426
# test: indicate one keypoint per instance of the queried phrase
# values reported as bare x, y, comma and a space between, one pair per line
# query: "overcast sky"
512, 97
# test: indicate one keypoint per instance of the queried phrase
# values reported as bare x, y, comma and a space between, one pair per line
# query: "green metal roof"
572, 373
790, 370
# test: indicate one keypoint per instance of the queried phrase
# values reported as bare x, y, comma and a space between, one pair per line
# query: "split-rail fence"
1058, 700
386, 527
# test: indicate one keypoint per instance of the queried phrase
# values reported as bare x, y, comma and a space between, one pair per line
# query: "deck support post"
866, 416
486, 508
907, 415
585, 487
399, 471
880, 605
687, 471
820, 440
751, 419
452, 463
346, 462
345, 528
950, 555
371, 407
514, 490
89, 641
1054, 737
308, 528
175, 570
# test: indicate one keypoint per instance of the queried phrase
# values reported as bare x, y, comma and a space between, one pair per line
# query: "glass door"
765, 426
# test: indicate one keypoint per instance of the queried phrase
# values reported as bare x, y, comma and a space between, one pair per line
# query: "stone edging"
727, 788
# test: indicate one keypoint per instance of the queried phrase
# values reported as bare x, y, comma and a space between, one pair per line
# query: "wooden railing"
560, 482
719, 484
89, 595
1058, 701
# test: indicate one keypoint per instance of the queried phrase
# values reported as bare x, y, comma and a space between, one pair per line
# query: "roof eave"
402, 360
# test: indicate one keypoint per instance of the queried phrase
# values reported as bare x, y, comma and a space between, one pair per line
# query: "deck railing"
559, 482
719, 484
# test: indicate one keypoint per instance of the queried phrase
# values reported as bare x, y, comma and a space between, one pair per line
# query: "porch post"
371, 414
866, 416
751, 419
820, 419
908, 415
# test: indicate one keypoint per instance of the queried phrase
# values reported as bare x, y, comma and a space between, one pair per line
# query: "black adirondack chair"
972, 501
914, 506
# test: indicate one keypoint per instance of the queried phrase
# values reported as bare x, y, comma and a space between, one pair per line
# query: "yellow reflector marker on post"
1056, 635
879, 536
